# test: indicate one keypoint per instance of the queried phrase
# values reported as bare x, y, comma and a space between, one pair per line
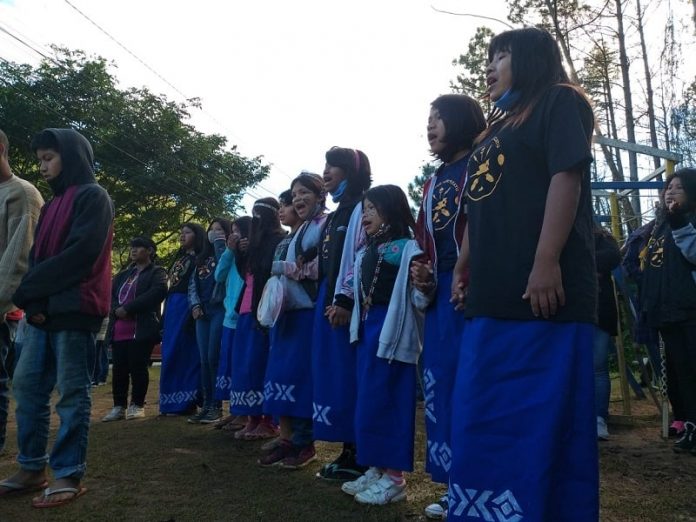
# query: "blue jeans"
209, 339
49, 360
7, 329
602, 383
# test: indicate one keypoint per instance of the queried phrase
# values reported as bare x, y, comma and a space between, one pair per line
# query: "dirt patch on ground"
161, 469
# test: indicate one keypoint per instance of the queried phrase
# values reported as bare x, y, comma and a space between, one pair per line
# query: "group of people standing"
316, 334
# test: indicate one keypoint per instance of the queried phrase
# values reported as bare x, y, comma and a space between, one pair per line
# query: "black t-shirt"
445, 203
509, 177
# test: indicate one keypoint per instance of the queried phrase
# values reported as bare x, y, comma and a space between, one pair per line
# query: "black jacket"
607, 258
668, 288
150, 291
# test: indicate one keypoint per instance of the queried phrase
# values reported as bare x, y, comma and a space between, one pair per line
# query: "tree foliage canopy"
159, 170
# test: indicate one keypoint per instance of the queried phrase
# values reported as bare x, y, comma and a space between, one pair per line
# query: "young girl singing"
523, 421
347, 176
454, 122
288, 381
388, 329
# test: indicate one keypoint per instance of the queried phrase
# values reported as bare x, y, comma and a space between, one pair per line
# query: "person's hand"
422, 276
121, 313
299, 262
337, 316
545, 288
232, 241
459, 291
197, 312
676, 215
37, 319
244, 244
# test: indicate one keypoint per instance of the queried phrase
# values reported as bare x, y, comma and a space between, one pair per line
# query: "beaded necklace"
366, 295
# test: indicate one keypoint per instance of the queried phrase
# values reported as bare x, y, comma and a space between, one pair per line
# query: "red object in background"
15, 315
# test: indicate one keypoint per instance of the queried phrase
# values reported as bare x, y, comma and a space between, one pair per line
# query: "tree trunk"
628, 97
631, 214
648, 84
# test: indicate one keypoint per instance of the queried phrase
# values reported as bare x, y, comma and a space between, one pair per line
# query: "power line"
151, 69
61, 66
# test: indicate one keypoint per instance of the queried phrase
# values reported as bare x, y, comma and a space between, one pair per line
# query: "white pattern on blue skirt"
178, 397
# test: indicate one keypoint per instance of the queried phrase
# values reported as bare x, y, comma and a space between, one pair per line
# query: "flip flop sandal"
44, 500
15, 488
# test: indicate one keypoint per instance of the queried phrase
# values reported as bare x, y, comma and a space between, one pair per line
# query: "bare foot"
24, 479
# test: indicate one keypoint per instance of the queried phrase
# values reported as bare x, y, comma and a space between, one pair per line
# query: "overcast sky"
286, 80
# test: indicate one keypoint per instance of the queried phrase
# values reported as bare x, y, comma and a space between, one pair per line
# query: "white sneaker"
602, 431
384, 491
363, 482
116, 413
135, 412
437, 510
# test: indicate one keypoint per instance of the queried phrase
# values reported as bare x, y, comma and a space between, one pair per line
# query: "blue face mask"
508, 100
337, 194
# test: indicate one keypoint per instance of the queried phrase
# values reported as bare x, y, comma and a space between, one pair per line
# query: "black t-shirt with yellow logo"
445, 205
509, 177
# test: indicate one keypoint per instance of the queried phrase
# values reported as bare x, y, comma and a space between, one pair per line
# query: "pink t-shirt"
124, 329
245, 306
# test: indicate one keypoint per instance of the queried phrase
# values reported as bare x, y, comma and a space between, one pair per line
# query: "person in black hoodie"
669, 295
136, 302
607, 258
66, 295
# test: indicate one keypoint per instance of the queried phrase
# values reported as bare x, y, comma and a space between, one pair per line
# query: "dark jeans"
101, 363
302, 431
680, 353
131, 360
7, 330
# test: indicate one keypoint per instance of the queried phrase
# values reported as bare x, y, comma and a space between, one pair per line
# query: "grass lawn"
161, 469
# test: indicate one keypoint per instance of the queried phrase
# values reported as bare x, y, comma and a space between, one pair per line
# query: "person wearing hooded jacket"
669, 297
66, 295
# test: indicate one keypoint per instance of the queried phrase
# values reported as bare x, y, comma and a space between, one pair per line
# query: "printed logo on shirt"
466, 502
207, 269
445, 198
179, 268
656, 251
488, 161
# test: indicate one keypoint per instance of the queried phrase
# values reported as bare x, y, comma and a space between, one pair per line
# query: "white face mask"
212, 236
